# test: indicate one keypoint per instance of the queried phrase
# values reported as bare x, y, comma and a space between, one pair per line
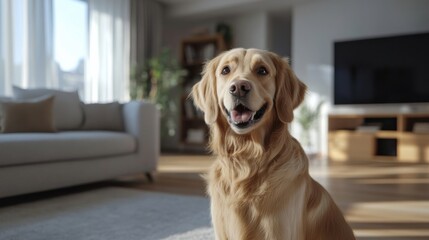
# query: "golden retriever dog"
259, 184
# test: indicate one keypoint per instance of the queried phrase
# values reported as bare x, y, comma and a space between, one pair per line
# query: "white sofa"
32, 162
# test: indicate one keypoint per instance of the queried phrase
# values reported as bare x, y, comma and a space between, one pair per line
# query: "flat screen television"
382, 70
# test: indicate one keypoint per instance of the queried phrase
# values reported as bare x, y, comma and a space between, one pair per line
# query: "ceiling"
194, 9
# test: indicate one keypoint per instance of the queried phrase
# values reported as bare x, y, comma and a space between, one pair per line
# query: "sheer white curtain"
6, 47
26, 45
146, 30
109, 51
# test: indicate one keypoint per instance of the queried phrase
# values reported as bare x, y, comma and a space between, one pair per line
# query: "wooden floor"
380, 200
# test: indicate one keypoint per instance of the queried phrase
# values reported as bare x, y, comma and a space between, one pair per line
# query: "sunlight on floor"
389, 212
185, 163
391, 233
368, 171
394, 181
182, 169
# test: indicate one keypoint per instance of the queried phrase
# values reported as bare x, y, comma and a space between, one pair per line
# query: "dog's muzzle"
240, 88
242, 117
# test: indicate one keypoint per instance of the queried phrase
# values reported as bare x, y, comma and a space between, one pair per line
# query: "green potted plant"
306, 118
157, 80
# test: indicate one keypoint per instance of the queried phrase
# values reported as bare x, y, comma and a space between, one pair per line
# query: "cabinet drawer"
414, 148
350, 146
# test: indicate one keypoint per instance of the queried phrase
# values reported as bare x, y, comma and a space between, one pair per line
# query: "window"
70, 23
11, 40
43, 44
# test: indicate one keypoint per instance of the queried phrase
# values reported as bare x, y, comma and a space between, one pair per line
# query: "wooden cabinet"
344, 146
390, 137
195, 51
413, 148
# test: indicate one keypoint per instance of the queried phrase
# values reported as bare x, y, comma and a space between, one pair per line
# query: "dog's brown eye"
262, 71
225, 70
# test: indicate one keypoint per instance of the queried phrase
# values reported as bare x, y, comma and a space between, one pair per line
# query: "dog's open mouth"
242, 117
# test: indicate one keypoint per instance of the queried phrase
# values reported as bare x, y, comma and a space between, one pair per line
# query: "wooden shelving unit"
195, 51
393, 137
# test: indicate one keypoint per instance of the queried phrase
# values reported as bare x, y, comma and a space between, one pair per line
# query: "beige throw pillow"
2, 100
31, 116
68, 114
103, 116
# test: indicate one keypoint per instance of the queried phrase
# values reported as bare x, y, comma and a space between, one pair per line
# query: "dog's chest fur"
238, 198
246, 198
238, 183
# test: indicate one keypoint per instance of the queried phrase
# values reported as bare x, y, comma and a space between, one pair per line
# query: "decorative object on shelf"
421, 127
306, 118
368, 128
196, 136
156, 80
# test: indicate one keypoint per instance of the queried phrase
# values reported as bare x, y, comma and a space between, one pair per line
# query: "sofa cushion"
2, 100
26, 148
103, 116
31, 116
68, 114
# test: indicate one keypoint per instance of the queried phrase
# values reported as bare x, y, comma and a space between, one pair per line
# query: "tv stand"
391, 137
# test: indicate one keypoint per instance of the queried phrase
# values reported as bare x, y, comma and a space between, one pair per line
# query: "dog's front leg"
280, 227
286, 221
218, 219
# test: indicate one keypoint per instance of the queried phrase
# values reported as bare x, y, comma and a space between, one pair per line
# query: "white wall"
250, 30
280, 28
316, 25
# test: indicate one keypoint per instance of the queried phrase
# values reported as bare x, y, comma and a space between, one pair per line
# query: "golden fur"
259, 184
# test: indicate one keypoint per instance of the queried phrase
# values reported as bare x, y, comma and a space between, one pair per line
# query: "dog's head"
248, 87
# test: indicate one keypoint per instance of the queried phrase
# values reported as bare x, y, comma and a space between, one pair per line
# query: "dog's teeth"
253, 116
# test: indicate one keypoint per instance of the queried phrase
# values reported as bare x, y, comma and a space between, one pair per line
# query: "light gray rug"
109, 213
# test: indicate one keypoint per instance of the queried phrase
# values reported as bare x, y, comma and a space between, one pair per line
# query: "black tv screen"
382, 70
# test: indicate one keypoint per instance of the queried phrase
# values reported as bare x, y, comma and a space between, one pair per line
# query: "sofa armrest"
141, 119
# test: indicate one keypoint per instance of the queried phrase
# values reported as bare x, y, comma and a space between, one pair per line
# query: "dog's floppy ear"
290, 91
204, 92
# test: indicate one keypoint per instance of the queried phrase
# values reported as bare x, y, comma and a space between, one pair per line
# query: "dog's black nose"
240, 88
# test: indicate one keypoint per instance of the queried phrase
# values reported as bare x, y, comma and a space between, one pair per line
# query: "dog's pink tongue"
240, 117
